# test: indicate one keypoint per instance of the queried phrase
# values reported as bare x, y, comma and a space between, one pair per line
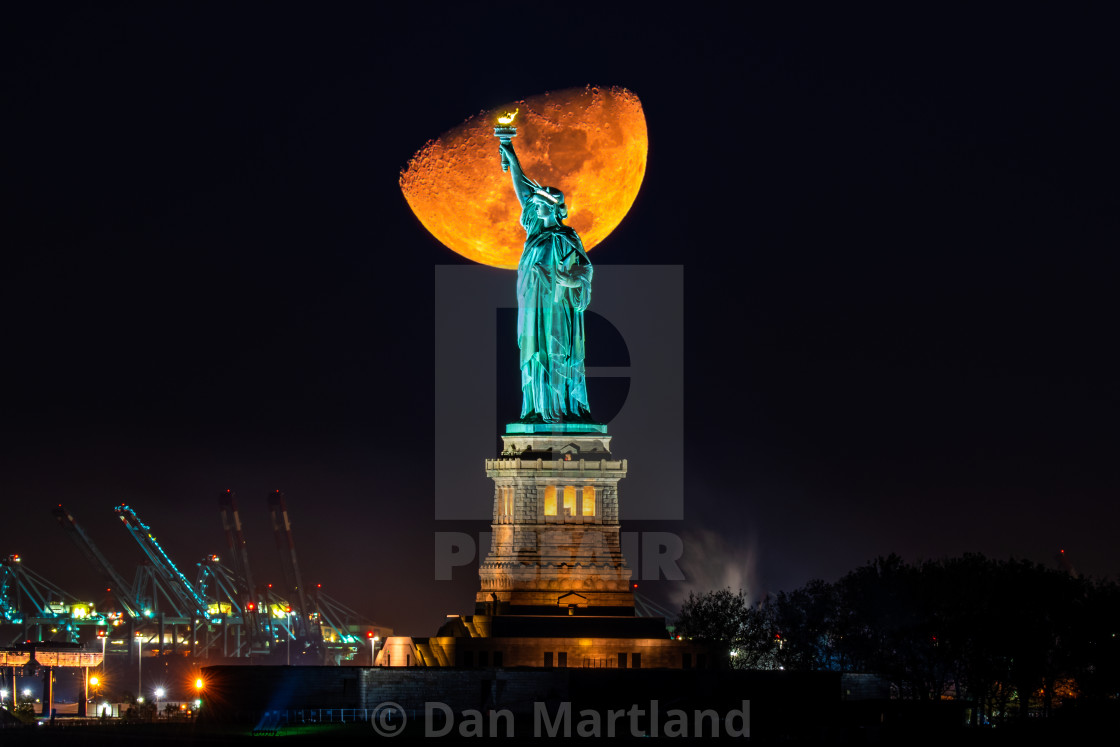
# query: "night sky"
899, 237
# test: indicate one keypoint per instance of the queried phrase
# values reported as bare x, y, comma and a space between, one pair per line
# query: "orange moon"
590, 143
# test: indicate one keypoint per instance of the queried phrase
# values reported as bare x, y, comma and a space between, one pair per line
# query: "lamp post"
373, 639
139, 667
104, 640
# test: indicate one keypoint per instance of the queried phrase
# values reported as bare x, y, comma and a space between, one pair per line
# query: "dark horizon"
898, 236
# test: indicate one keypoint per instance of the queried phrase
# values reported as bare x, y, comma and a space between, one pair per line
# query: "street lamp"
139, 666
288, 631
160, 692
373, 639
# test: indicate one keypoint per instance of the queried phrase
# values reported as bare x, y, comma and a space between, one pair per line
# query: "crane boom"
120, 589
235, 540
193, 602
285, 544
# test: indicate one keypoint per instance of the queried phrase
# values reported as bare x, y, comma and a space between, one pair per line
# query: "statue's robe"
550, 322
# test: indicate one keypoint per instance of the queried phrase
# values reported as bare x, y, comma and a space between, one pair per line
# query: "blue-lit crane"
161, 578
188, 603
120, 589
29, 599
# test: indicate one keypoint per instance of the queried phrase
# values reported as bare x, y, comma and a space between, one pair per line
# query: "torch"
505, 132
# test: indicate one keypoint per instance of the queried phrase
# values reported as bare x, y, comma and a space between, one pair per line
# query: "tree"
1010, 638
807, 620
25, 712
741, 635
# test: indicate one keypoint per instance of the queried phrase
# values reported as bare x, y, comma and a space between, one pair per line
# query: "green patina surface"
553, 291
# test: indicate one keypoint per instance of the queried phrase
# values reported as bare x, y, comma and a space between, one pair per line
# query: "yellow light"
93, 681
507, 118
198, 684
569, 500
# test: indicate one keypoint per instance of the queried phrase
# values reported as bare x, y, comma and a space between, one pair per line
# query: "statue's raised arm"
521, 185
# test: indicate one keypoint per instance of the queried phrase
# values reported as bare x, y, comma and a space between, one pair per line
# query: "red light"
318, 586
369, 634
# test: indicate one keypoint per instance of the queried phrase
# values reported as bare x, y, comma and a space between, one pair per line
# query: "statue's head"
550, 201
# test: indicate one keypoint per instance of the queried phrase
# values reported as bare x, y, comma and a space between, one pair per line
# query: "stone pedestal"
556, 588
556, 548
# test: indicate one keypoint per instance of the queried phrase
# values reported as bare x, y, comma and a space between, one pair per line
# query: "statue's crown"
552, 194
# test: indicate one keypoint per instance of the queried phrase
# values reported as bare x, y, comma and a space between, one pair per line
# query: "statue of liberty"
553, 290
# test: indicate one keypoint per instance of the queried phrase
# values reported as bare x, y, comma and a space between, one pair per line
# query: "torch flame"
507, 118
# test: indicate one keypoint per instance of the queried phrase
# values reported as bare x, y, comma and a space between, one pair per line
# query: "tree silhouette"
740, 634
1009, 638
